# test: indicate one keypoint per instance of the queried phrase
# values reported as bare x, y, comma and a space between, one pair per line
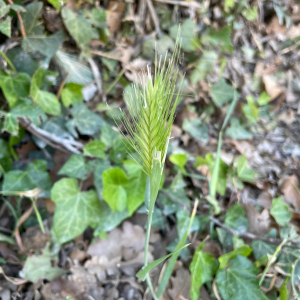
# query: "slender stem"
8, 61
149, 222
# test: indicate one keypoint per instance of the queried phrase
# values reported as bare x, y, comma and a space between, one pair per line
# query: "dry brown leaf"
114, 16
265, 200
83, 279
34, 239
290, 189
181, 285
126, 243
134, 71
102, 266
272, 87
259, 223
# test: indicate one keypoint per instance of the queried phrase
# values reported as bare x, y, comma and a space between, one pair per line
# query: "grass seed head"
151, 109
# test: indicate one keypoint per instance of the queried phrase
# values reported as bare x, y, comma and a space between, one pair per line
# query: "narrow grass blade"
175, 254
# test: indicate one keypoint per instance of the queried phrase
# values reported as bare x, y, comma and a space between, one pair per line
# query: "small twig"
97, 75
21, 21
192, 4
154, 17
248, 235
49, 138
251, 236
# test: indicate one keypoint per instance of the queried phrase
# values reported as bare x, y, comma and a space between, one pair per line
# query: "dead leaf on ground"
101, 266
290, 189
181, 284
259, 222
114, 14
272, 87
34, 239
126, 243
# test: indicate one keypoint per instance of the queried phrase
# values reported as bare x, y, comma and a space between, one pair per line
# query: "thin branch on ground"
248, 235
51, 139
154, 17
20, 20
191, 4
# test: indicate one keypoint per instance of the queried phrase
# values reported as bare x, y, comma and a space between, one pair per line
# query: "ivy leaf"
75, 210
31, 15
136, 185
222, 92
14, 87
35, 175
280, 211
46, 45
235, 218
86, 121
40, 266
244, 250
204, 66
5, 27
236, 131
95, 149
186, 34
75, 167
114, 192
220, 39
79, 27
4, 9
196, 129
46, 100
244, 172
26, 108
179, 160
239, 281
261, 248
71, 94
11, 124
203, 267
97, 16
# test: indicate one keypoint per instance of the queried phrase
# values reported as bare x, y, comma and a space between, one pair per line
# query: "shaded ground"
246, 51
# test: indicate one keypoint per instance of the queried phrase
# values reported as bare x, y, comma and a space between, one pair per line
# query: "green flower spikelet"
151, 109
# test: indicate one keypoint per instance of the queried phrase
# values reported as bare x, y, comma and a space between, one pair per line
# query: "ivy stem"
148, 231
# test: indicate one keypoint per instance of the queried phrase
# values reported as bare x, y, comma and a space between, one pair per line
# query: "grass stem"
148, 231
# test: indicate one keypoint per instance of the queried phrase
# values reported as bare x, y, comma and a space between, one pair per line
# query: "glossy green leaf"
86, 121
14, 86
204, 66
46, 45
261, 249
179, 160
11, 124
5, 26
4, 9
26, 108
243, 250
280, 211
264, 98
71, 94
114, 192
31, 15
236, 131
196, 129
222, 92
97, 17
187, 35
245, 173
79, 27
203, 267
35, 175
76, 167
75, 210
236, 218
95, 149
239, 281
40, 267
45, 100
136, 185
220, 39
